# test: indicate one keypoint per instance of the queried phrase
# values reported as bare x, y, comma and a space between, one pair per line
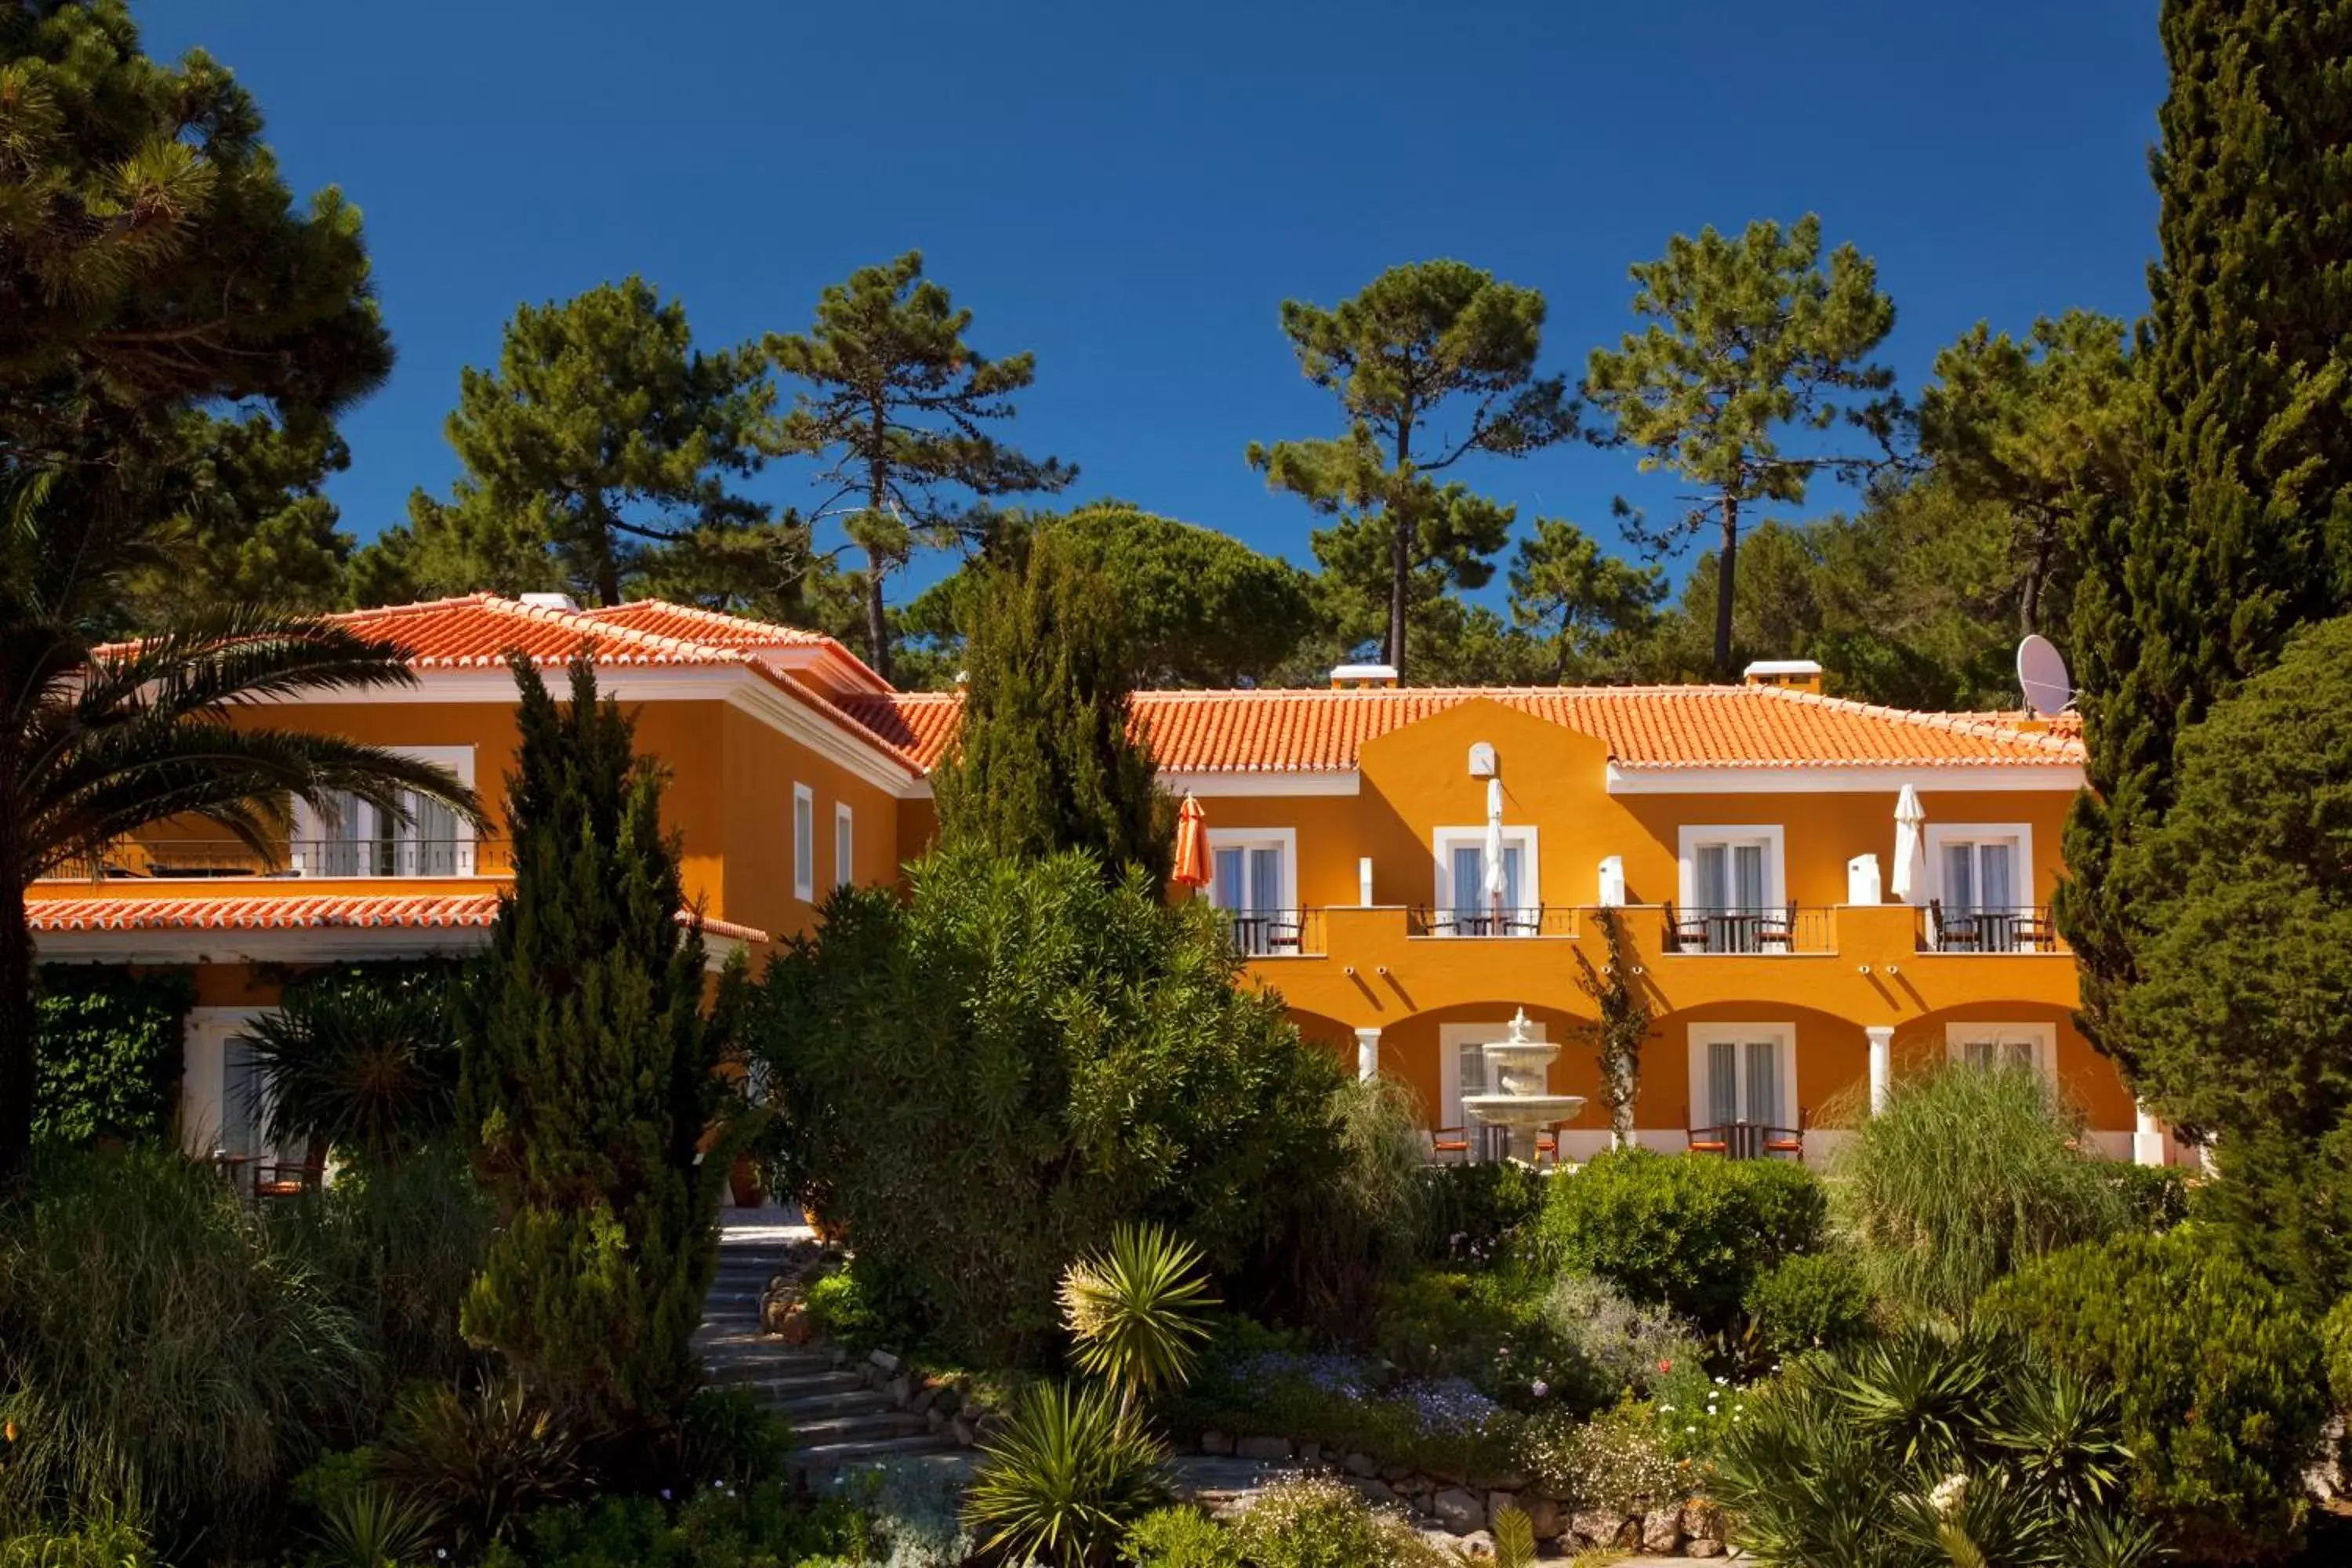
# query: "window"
1742, 1073
1251, 878
845, 844
1464, 905
2011, 1046
803, 842
1461, 1060
224, 1107
1980, 882
346, 837
1731, 880
241, 1119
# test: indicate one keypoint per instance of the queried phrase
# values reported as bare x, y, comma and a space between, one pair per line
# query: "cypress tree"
1044, 761
588, 1079
2238, 528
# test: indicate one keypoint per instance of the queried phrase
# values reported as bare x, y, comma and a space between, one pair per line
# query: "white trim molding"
2039, 1039
1443, 841
1283, 839
1936, 835
2025, 778
1776, 857
204, 1073
801, 846
845, 844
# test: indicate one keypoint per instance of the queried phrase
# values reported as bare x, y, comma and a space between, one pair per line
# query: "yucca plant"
478, 1462
1135, 1311
363, 1060
373, 1527
1063, 1482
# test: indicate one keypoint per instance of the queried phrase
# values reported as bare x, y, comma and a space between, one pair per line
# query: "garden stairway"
842, 1414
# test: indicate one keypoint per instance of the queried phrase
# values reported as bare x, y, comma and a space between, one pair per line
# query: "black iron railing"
154, 860
2022, 929
1790, 928
1276, 933
1539, 920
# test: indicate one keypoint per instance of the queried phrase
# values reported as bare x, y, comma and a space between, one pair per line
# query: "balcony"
1744, 931
1543, 920
1276, 933
214, 859
2025, 929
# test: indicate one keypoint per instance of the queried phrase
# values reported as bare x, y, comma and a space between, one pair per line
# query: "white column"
2148, 1140
1368, 1054
1881, 1064
1364, 886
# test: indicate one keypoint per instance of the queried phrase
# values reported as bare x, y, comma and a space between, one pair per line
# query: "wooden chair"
1445, 1142
1789, 1140
1961, 935
1548, 1144
1706, 1140
284, 1180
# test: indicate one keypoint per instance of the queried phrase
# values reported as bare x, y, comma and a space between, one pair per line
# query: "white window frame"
1444, 841
1451, 1038
1284, 839
845, 844
1772, 834
2042, 1037
1783, 1037
801, 829
309, 827
203, 1074
1938, 835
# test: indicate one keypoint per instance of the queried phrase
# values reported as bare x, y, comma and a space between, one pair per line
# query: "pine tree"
1748, 338
603, 433
1420, 343
588, 1079
1593, 607
900, 402
1043, 759
2238, 528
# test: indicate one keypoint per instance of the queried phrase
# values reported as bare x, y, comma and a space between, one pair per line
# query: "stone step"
819, 1373
888, 1421
824, 1457
801, 1406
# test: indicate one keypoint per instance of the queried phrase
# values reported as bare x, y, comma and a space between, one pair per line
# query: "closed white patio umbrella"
1498, 886
1910, 847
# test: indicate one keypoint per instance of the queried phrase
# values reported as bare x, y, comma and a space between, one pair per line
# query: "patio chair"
1963, 935
1450, 1141
1713, 1139
1789, 1140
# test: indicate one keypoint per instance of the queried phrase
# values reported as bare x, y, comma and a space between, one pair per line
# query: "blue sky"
1129, 191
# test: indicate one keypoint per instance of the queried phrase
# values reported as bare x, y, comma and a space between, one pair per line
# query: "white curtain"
1764, 1082
1722, 1083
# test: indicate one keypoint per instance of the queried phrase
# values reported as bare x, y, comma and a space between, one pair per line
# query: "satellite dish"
2041, 672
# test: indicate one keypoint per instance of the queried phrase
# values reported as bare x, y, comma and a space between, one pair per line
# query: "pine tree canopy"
603, 435
2238, 529
588, 1076
1043, 760
1748, 339
1593, 607
1430, 363
900, 407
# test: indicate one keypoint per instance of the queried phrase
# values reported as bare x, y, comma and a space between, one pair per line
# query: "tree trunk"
2037, 578
877, 492
877, 624
1401, 540
16, 1029
1727, 567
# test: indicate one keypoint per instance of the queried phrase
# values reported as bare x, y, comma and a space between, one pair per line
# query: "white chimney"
551, 601
1788, 674
1362, 677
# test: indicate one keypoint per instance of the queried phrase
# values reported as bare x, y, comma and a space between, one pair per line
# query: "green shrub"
401, 1243
1620, 1344
1690, 1232
730, 1438
361, 1058
109, 1540
839, 1307
2156, 1196
1478, 1212
1965, 1174
1066, 1479
1618, 1462
107, 1052
372, 1526
164, 1348
2335, 1346
757, 1527
1320, 1523
480, 1461
2219, 1379
1180, 1538
979, 1080
1485, 1326
1334, 1244
1814, 1302
1930, 1447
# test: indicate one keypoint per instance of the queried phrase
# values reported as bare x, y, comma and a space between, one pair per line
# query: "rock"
1629, 1537
1477, 1546
902, 1391
1596, 1529
1412, 1484
1392, 1474
1275, 1449
1361, 1465
967, 1431
840, 1358
1459, 1511
926, 1400
1700, 1546
949, 1400
1702, 1521
1379, 1493
1661, 1530
1310, 1453
1544, 1515
1216, 1443
935, 1419
885, 1360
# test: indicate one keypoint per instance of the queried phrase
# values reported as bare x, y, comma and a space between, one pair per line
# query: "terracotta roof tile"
476, 630
693, 624
244, 911
1643, 727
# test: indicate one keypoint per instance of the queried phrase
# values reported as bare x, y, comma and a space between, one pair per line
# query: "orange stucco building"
1747, 838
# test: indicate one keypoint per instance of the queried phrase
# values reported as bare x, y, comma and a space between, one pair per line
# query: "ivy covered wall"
108, 1057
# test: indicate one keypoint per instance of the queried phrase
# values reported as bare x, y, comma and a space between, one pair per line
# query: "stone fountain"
1517, 1067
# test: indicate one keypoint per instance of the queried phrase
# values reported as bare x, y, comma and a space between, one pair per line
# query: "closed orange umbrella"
1192, 844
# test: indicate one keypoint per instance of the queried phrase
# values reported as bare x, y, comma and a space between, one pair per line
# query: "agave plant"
1066, 1479
373, 1527
1135, 1311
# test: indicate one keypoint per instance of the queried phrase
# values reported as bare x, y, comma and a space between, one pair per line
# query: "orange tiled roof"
1643, 727
691, 623
320, 912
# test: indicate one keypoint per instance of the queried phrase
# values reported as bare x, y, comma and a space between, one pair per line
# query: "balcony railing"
163, 860
1540, 920
1276, 933
2025, 929
1789, 929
